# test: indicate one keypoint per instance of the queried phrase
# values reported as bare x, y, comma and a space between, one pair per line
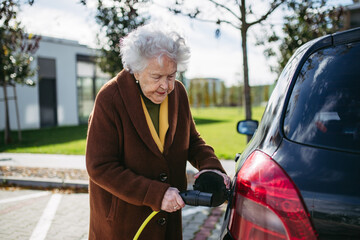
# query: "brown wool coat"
128, 174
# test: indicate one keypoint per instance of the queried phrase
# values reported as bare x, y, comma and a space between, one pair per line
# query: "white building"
67, 81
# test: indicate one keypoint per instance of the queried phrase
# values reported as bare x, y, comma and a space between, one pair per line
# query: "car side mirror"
247, 127
237, 156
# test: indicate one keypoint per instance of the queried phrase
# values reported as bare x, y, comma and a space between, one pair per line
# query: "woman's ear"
136, 75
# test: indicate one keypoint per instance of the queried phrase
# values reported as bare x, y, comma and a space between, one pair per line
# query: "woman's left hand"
227, 180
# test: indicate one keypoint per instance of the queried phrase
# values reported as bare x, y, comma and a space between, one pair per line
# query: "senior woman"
141, 133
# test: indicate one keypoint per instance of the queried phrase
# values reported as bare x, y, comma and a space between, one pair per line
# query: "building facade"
67, 81
206, 92
352, 16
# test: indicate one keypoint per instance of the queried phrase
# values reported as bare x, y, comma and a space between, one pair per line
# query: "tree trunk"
17, 113
247, 96
7, 120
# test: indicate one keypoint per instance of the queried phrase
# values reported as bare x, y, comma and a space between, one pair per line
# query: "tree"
116, 18
16, 53
234, 13
214, 95
234, 95
206, 93
223, 94
199, 94
191, 93
306, 20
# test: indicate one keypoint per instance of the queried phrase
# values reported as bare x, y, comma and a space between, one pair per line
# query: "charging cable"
191, 197
143, 225
210, 191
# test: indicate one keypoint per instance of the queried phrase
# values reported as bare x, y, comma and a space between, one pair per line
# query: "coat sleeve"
200, 155
103, 157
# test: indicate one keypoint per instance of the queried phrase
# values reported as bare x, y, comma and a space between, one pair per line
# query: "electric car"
299, 176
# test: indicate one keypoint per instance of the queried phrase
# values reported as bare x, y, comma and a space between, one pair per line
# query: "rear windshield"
324, 107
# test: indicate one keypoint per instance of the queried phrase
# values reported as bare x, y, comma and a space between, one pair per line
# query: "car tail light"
267, 204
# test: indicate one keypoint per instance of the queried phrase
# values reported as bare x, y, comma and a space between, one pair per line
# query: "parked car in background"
299, 176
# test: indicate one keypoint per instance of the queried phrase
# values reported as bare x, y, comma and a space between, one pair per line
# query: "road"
52, 215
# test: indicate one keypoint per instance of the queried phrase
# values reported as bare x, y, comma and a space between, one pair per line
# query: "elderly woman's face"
157, 81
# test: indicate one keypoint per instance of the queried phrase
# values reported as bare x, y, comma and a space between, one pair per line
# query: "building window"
47, 92
90, 79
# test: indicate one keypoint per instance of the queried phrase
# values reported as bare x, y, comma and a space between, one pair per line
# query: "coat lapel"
173, 107
131, 96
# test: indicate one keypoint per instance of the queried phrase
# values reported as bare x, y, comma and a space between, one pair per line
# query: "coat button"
163, 177
161, 221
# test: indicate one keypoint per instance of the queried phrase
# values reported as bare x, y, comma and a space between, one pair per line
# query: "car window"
324, 106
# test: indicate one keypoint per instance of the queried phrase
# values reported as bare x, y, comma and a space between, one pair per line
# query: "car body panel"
329, 184
330, 190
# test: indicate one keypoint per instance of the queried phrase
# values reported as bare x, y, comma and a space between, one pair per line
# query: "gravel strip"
49, 173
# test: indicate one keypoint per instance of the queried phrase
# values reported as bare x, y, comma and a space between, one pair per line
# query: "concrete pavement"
68, 161
35, 214
43, 160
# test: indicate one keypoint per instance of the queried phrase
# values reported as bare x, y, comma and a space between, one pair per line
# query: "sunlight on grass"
59, 140
217, 127
222, 136
76, 147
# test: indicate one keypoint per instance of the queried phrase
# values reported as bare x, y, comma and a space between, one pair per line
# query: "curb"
44, 182
38, 177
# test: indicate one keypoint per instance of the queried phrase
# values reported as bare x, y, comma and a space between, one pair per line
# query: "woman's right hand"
172, 200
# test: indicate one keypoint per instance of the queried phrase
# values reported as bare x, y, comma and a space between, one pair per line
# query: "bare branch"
219, 21
226, 8
228, 22
195, 16
274, 5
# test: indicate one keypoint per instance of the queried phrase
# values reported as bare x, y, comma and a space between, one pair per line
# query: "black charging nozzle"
197, 198
209, 190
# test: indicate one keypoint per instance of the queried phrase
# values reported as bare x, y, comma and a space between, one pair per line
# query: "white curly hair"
149, 41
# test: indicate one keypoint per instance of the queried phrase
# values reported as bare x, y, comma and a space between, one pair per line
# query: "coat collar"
130, 94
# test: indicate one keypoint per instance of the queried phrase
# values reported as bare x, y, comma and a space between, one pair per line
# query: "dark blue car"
299, 176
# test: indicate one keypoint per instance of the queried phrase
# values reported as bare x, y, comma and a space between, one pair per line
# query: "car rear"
299, 176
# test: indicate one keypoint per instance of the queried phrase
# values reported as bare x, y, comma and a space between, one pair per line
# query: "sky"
210, 56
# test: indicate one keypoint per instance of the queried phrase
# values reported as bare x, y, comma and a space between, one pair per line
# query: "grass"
221, 133
58, 140
217, 127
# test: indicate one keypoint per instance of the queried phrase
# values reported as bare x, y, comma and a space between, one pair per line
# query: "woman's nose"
164, 84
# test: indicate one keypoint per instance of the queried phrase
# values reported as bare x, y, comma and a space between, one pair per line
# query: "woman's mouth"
161, 93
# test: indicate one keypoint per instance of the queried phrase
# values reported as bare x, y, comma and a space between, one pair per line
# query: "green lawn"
59, 140
216, 125
221, 133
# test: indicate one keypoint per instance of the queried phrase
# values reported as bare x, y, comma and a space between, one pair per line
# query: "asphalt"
41, 207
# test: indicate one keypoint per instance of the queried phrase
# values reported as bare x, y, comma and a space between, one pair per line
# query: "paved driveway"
39, 215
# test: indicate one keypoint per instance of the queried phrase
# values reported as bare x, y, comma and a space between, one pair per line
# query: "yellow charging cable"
143, 225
